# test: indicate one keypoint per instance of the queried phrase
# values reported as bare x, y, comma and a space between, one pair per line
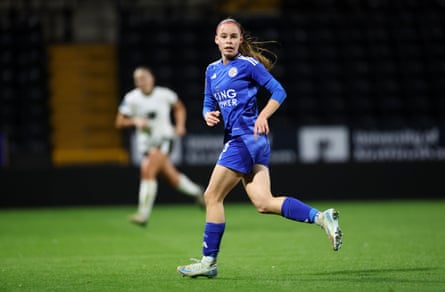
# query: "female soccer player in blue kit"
230, 93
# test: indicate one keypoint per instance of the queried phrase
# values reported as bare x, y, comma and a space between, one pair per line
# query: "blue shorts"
241, 153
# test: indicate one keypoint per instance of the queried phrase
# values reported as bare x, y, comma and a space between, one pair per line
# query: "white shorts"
145, 144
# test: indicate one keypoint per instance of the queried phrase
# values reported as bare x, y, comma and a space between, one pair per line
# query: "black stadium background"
365, 81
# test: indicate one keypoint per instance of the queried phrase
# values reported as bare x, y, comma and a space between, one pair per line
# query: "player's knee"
148, 172
211, 198
262, 207
208, 198
144, 172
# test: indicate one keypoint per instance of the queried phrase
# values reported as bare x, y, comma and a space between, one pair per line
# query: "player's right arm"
209, 109
209, 112
212, 118
123, 121
126, 116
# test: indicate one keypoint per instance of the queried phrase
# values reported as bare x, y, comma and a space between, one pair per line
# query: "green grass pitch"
388, 246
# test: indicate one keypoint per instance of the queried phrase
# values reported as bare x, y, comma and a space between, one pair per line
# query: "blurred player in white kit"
147, 108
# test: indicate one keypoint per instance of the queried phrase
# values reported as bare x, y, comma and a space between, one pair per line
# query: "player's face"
144, 80
228, 38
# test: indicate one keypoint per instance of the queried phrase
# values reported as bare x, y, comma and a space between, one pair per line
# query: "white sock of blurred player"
147, 195
148, 190
188, 187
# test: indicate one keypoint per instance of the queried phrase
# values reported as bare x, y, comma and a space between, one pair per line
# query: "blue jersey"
232, 88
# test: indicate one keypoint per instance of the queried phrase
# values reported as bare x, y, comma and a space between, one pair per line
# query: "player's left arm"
261, 124
278, 95
180, 116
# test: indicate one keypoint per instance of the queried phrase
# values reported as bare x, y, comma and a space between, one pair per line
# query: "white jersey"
156, 108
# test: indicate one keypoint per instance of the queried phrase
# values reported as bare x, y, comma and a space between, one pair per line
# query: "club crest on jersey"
233, 71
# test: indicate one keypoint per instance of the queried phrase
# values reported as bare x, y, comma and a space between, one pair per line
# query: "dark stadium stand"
373, 68
366, 64
361, 63
23, 89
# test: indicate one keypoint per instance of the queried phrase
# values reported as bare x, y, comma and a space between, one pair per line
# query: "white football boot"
138, 219
205, 267
328, 220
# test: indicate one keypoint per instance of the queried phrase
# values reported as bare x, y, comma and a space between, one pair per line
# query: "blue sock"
297, 210
213, 233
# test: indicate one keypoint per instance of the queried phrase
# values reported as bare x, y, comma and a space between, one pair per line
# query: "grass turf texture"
388, 246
